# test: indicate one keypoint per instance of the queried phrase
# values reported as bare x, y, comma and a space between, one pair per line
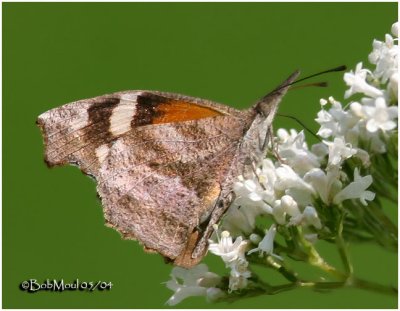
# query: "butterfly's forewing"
73, 131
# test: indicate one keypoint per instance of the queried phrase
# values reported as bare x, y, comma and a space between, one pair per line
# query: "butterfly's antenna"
321, 84
301, 123
340, 68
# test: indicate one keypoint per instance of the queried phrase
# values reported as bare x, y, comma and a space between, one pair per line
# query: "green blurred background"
233, 53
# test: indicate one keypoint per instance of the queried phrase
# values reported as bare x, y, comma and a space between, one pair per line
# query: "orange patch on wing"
178, 111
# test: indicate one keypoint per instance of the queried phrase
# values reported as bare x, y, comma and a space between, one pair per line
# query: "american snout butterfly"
164, 163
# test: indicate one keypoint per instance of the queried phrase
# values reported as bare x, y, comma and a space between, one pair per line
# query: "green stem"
286, 272
353, 283
282, 269
266, 289
342, 247
315, 259
273, 290
374, 287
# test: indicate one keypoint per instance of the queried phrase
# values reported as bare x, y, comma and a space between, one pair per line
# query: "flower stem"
266, 289
286, 272
315, 259
374, 287
342, 247
281, 268
352, 283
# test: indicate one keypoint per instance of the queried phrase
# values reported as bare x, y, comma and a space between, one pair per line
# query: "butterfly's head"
268, 104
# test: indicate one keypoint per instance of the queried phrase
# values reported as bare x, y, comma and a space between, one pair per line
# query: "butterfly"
164, 163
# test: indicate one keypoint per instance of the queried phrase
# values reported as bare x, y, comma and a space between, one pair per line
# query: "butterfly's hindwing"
159, 192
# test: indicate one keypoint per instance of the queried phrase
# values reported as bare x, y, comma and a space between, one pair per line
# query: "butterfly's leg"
254, 168
269, 138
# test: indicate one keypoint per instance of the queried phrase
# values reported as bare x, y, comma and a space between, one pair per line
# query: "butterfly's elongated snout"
268, 104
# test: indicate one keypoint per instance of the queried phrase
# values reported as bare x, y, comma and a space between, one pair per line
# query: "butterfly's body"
164, 163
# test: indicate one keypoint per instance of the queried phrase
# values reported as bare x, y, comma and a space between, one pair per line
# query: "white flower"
267, 177
239, 268
365, 111
239, 274
395, 29
357, 109
358, 84
294, 151
290, 183
227, 249
320, 150
323, 102
240, 219
363, 156
332, 100
232, 253
327, 185
356, 190
377, 145
279, 213
310, 217
285, 206
380, 116
251, 201
302, 197
377, 49
246, 188
250, 193
328, 124
192, 282
287, 178
385, 56
237, 282
267, 244
339, 150
393, 86
336, 121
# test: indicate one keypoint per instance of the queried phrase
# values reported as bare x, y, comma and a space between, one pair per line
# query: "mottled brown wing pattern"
165, 163
73, 132
162, 192
159, 172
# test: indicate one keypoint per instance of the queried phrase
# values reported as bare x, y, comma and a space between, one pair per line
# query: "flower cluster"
233, 255
309, 188
197, 281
